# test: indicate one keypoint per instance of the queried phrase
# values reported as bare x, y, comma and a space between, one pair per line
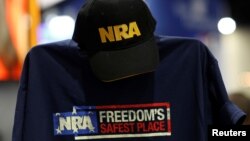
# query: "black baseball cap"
118, 36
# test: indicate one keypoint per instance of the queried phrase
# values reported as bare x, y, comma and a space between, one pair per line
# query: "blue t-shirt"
60, 99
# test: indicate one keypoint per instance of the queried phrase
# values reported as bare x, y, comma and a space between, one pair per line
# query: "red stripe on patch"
167, 105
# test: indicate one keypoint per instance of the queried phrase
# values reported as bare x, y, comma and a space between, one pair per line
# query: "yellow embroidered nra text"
119, 32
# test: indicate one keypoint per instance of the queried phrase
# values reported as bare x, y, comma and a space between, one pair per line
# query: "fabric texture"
60, 99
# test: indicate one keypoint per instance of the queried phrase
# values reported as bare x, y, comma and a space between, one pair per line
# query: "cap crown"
113, 24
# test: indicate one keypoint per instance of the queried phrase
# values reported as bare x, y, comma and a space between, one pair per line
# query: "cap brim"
113, 65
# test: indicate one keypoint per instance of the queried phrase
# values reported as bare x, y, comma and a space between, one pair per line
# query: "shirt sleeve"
224, 111
17, 132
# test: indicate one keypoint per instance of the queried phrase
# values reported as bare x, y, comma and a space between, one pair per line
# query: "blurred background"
223, 25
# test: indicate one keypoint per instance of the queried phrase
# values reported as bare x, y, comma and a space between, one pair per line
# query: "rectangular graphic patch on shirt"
114, 121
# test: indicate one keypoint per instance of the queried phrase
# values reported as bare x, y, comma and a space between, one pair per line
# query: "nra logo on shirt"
114, 121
